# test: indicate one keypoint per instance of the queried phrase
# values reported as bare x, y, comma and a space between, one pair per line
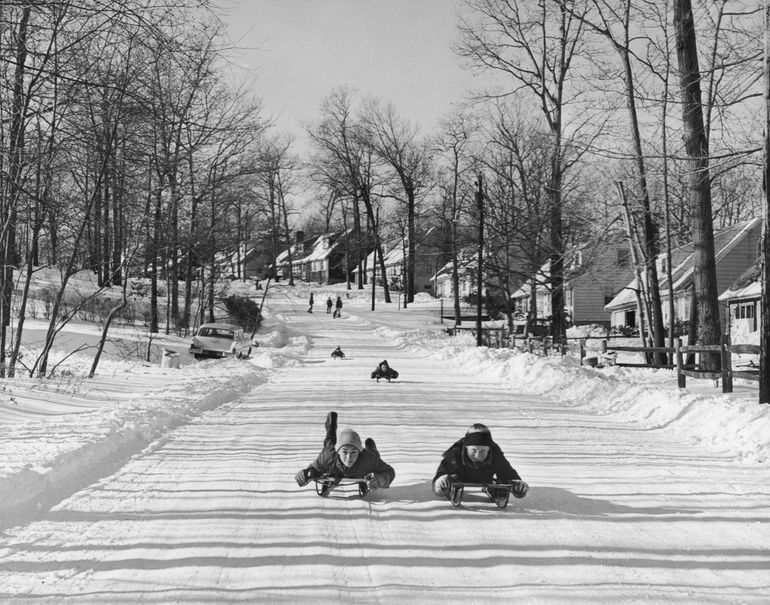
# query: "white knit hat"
349, 437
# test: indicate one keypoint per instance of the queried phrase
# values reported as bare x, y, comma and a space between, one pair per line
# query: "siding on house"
588, 305
587, 287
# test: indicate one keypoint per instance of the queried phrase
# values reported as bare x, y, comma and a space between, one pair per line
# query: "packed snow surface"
161, 485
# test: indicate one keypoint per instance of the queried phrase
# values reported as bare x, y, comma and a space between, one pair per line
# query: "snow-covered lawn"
159, 485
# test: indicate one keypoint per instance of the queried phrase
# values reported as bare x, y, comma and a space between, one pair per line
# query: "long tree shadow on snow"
557, 501
552, 502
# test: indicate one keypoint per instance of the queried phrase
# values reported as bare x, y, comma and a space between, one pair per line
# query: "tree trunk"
558, 327
651, 247
411, 253
764, 352
696, 145
154, 263
16, 161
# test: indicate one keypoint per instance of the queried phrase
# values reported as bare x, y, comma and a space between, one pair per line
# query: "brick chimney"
300, 247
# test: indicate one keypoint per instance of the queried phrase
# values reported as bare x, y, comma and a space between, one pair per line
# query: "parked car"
220, 340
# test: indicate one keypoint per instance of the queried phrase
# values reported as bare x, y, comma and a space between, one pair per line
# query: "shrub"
626, 331
244, 311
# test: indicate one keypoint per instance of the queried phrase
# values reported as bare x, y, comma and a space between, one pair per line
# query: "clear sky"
297, 51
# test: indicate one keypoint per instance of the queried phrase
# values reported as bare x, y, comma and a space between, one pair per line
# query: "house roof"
466, 260
747, 286
683, 265
317, 247
543, 276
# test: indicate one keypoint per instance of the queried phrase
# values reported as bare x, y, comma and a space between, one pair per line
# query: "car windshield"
217, 332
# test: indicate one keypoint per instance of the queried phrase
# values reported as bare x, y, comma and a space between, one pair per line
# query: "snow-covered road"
211, 514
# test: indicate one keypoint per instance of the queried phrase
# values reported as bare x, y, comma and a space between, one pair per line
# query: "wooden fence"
685, 359
504, 338
727, 370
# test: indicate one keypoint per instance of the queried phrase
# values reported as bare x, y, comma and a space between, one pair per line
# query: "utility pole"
374, 257
480, 277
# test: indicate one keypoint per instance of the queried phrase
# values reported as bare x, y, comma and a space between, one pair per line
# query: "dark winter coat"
368, 461
495, 468
384, 371
338, 304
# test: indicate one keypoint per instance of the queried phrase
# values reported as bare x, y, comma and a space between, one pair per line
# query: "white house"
320, 258
743, 300
467, 260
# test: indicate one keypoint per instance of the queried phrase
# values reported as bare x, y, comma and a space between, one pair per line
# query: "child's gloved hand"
441, 485
373, 481
304, 476
520, 489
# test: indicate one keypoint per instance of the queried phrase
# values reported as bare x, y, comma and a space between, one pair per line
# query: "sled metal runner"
499, 493
324, 485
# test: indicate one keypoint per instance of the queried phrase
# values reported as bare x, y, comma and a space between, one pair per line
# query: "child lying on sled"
383, 370
476, 458
347, 458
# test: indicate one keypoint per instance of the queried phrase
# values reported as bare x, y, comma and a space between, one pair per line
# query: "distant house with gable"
743, 300
592, 277
428, 258
735, 249
320, 258
467, 272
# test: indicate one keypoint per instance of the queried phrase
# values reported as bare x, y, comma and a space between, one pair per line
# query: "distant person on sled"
383, 370
347, 458
476, 458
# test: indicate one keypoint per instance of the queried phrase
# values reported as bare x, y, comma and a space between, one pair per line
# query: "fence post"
681, 378
727, 366
582, 350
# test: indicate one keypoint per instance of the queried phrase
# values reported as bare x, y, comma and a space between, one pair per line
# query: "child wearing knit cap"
476, 458
346, 457
383, 370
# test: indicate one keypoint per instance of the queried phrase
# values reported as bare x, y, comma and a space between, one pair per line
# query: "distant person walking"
329, 304
310, 308
338, 308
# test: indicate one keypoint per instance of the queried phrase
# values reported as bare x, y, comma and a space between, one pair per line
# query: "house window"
577, 261
747, 311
